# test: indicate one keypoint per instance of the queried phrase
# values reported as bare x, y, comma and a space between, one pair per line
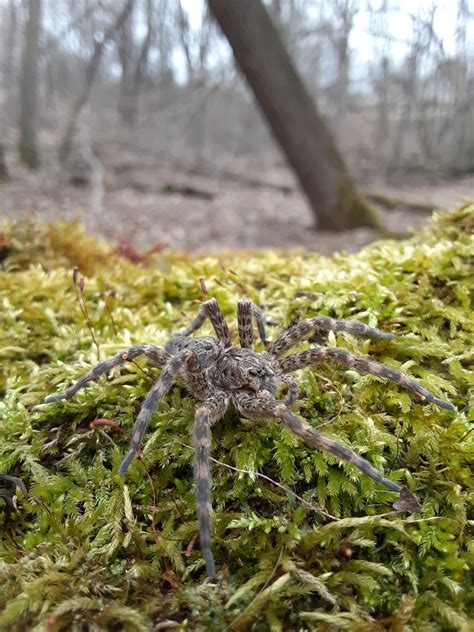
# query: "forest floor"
245, 203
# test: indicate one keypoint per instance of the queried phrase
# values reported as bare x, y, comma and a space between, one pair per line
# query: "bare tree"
196, 46
344, 12
134, 61
410, 89
184, 33
292, 114
382, 82
28, 144
92, 67
126, 56
141, 67
164, 43
5, 91
382, 130
462, 154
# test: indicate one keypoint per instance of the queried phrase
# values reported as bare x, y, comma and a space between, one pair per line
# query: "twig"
269, 579
153, 508
307, 504
202, 283
466, 434
168, 572
413, 520
110, 294
341, 399
138, 367
105, 422
79, 287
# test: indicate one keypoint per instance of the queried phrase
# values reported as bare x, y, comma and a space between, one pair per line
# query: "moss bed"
86, 550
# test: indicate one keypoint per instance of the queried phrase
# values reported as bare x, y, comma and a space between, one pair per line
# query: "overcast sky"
400, 27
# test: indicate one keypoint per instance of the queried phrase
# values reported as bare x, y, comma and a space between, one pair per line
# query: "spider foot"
407, 502
431, 399
9, 500
123, 467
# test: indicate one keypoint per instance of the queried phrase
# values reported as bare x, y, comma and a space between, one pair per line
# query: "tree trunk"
141, 66
382, 132
28, 145
163, 46
126, 55
410, 89
3, 162
5, 92
292, 115
345, 12
66, 143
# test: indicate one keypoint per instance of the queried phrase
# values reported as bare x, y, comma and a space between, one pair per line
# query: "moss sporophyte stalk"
301, 539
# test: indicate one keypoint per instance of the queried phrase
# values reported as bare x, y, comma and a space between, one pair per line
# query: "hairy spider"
219, 374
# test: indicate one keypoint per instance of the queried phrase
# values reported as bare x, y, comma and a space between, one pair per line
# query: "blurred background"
133, 116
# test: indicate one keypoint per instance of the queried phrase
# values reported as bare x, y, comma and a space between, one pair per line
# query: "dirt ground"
239, 204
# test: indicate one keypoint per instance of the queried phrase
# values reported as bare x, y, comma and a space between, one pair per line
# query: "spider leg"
299, 332
244, 320
9, 504
315, 356
210, 309
246, 310
260, 320
157, 356
159, 389
206, 415
292, 395
256, 408
17, 482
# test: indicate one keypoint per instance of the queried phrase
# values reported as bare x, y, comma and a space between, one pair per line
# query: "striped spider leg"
258, 408
318, 355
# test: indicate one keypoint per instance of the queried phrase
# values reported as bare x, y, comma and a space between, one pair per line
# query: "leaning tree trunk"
28, 145
292, 114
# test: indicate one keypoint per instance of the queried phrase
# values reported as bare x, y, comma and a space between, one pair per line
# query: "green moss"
84, 552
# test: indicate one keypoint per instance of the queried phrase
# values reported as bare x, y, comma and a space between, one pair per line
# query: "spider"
218, 374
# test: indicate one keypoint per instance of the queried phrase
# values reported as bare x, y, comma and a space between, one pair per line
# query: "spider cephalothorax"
218, 374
